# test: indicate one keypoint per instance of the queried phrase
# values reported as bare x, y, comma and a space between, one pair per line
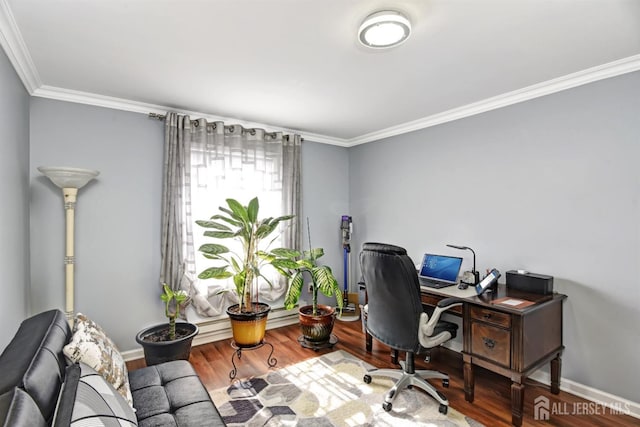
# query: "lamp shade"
65, 177
384, 29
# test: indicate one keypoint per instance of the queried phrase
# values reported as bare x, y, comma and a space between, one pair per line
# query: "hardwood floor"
491, 406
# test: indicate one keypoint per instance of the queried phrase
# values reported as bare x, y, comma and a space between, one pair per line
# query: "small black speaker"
530, 282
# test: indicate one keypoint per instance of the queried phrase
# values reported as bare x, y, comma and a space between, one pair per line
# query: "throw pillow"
91, 346
87, 399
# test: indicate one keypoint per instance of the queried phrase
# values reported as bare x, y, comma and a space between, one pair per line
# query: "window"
206, 163
233, 168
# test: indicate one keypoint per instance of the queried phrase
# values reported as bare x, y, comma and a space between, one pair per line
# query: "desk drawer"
491, 316
491, 343
432, 301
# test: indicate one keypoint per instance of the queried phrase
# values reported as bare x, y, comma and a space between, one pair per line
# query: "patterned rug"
327, 391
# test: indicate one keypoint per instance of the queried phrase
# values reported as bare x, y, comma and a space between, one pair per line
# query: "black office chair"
394, 316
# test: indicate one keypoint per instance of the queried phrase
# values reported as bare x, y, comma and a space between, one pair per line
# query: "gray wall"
118, 215
325, 198
552, 186
14, 193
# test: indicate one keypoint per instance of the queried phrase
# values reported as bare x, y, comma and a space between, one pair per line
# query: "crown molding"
79, 97
590, 75
324, 139
14, 46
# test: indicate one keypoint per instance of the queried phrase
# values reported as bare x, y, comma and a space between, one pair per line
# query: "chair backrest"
393, 295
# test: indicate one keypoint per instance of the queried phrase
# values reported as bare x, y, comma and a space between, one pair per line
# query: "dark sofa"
33, 371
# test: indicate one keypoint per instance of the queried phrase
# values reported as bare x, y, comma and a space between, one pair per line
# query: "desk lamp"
476, 274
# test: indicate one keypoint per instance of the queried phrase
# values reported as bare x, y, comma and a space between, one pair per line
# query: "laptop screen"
440, 267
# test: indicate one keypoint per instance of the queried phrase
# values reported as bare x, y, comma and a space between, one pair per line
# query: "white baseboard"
130, 355
593, 394
220, 329
598, 396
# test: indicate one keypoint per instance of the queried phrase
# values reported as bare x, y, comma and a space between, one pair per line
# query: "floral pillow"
91, 346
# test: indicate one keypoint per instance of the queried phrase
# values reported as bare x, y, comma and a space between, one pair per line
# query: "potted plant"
246, 267
172, 341
316, 320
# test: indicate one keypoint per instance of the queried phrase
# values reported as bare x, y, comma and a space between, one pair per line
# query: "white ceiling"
297, 65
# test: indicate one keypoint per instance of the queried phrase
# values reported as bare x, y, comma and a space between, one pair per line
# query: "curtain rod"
163, 116
157, 116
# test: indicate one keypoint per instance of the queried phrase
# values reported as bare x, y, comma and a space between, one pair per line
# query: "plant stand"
271, 361
333, 340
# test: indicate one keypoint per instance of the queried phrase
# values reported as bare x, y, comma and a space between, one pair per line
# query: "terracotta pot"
248, 327
317, 329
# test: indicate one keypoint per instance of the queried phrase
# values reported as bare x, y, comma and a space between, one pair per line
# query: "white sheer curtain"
206, 163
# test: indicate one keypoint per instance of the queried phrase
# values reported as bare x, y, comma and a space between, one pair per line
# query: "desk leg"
469, 381
517, 403
556, 367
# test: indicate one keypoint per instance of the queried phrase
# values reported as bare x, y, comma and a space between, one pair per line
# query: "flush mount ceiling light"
384, 29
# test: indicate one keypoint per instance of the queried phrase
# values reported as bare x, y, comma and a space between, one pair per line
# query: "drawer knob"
487, 316
488, 342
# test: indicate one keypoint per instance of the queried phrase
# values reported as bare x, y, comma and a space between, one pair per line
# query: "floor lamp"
70, 180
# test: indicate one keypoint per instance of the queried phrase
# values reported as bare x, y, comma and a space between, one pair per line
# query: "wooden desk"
508, 341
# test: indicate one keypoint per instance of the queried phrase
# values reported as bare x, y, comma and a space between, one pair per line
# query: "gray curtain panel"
202, 157
177, 236
291, 189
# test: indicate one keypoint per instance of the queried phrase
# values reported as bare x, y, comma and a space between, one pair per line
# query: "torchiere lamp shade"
65, 177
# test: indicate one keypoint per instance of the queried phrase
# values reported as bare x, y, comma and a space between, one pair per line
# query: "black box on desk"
530, 282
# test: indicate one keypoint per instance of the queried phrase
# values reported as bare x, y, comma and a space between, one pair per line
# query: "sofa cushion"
171, 394
87, 399
18, 409
91, 346
34, 361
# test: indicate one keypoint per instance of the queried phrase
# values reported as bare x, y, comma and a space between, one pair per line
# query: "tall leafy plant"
241, 223
322, 279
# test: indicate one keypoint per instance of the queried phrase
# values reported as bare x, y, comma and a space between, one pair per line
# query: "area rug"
327, 391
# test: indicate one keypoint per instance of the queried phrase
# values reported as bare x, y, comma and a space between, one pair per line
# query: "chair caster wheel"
443, 409
386, 406
367, 379
445, 383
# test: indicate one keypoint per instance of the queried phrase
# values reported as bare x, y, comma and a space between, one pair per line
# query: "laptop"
439, 271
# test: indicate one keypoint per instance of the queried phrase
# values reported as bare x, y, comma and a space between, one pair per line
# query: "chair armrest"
427, 325
447, 303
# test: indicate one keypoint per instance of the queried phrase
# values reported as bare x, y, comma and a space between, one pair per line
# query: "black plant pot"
166, 351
